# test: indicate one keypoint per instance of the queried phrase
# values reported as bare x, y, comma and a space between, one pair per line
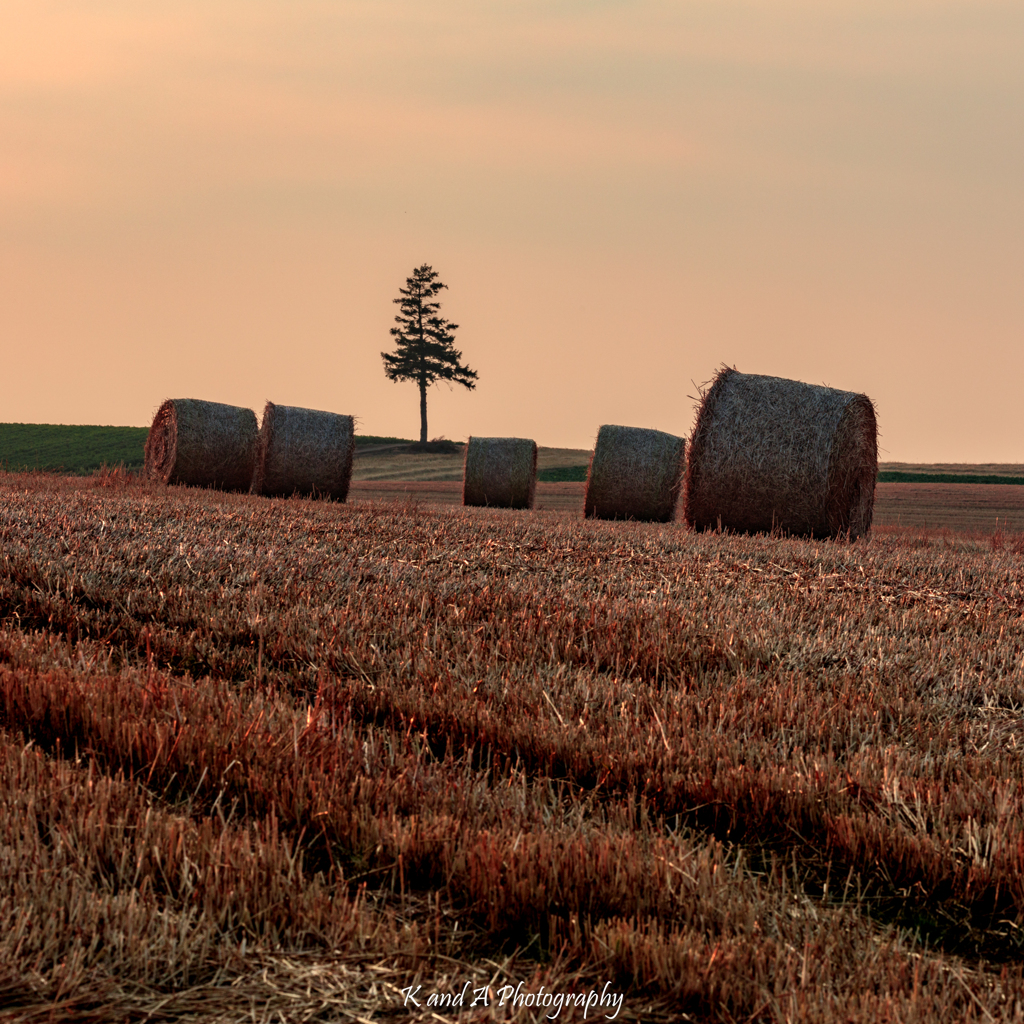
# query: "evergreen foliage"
425, 350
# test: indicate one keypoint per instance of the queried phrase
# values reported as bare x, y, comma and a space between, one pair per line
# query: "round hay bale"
204, 444
769, 454
500, 472
304, 451
634, 474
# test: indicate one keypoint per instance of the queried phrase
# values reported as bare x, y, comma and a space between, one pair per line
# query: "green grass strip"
52, 447
579, 473
84, 449
894, 477
374, 439
562, 474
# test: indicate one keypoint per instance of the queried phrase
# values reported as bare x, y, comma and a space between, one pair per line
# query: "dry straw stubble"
304, 451
768, 454
635, 473
500, 472
546, 816
204, 444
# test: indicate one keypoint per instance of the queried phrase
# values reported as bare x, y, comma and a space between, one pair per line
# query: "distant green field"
374, 439
80, 450
894, 477
71, 449
562, 474
565, 473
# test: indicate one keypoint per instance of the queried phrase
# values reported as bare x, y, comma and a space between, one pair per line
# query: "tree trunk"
423, 411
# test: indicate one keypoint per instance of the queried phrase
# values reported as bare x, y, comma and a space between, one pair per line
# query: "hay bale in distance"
769, 454
304, 451
500, 472
634, 474
204, 444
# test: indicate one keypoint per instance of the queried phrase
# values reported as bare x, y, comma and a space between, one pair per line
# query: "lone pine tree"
425, 352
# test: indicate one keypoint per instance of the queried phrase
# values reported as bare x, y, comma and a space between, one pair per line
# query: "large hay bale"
205, 444
634, 474
773, 454
500, 472
304, 451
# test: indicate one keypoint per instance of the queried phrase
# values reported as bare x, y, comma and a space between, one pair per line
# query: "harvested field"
965, 507
399, 463
984, 507
563, 496
960, 507
288, 760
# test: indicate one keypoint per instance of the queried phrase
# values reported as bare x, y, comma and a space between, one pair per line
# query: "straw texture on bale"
205, 444
769, 454
500, 472
304, 451
634, 474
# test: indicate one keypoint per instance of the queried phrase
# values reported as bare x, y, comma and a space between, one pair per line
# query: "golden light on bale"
204, 444
634, 474
769, 454
304, 451
500, 472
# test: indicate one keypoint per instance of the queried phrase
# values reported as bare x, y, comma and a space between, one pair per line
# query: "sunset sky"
220, 198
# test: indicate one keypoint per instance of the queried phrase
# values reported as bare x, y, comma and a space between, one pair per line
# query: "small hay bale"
500, 472
304, 451
769, 454
634, 474
203, 444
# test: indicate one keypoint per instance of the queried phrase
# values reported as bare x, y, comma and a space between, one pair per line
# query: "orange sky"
220, 198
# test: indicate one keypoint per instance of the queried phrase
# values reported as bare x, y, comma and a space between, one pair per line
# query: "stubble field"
960, 508
282, 760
